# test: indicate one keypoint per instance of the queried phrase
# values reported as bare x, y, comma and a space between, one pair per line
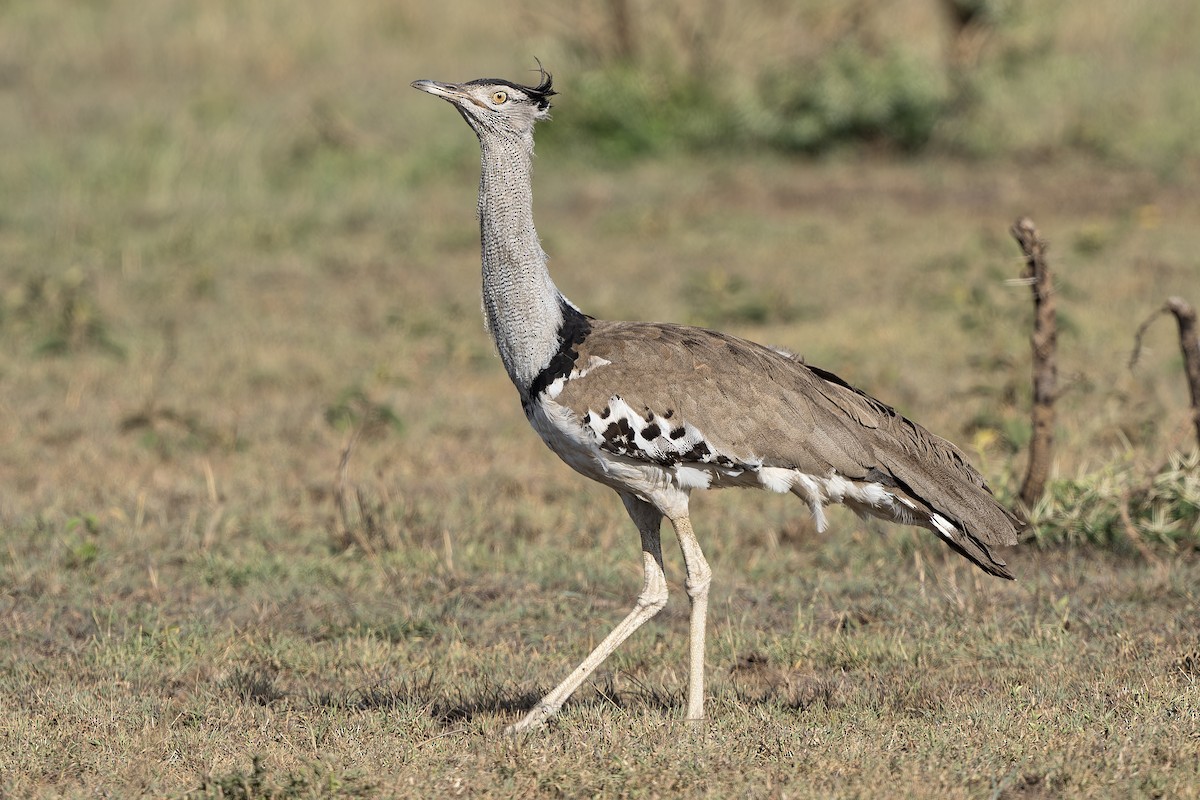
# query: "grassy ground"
232, 238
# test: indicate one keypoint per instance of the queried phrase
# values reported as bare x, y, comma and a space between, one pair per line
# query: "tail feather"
907, 509
966, 516
937, 488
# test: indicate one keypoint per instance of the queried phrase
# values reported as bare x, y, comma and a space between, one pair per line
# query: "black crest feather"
545, 87
540, 95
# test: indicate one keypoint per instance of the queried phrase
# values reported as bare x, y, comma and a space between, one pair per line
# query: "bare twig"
970, 29
1045, 369
622, 30
1131, 531
448, 550
350, 531
1189, 344
393, 534
214, 503
1139, 335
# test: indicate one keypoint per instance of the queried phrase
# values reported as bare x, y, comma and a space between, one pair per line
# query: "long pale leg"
699, 576
651, 600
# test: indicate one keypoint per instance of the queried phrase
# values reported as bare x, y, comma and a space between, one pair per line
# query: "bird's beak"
447, 91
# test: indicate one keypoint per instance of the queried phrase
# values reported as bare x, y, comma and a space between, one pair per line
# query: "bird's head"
493, 106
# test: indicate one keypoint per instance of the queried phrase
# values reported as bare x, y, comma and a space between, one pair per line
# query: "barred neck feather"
522, 307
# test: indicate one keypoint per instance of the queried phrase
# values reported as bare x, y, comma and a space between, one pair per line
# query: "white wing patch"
689, 478
944, 527
865, 498
778, 479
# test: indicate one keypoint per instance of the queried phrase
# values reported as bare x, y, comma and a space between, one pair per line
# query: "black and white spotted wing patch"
647, 436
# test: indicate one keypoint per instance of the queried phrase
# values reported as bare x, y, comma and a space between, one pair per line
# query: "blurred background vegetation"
233, 241
976, 78
182, 173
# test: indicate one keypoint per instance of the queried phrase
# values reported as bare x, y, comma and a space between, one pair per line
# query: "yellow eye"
499, 97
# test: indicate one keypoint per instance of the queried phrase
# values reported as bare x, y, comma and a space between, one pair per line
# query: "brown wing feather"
757, 404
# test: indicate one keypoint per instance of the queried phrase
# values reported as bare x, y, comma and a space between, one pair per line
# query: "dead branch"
1044, 342
969, 30
1131, 531
351, 531
622, 30
1189, 344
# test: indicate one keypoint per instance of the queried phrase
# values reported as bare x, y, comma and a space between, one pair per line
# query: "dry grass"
836, 668
231, 237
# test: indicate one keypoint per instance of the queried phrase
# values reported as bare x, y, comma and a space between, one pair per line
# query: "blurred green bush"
980, 78
851, 95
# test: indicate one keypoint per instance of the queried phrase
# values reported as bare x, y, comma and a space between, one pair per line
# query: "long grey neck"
522, 307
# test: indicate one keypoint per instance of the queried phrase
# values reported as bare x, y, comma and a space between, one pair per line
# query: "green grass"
231, 238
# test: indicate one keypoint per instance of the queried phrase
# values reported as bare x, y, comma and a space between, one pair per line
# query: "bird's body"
657, 410
661, 410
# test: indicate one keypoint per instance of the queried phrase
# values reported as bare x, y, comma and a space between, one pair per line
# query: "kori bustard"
656, 410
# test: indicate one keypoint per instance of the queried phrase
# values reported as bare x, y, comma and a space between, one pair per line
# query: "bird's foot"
534, 719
